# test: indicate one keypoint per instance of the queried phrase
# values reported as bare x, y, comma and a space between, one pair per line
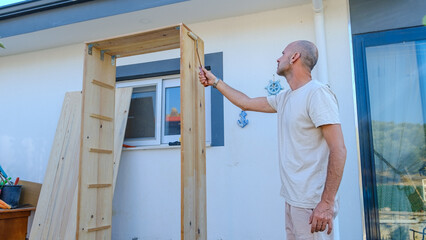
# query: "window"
141, 72
171, 111
390, 70
154, 114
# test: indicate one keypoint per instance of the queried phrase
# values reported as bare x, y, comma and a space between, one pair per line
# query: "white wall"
243, 183
341, 81
32, 89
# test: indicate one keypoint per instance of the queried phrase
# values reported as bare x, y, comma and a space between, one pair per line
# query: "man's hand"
322, 215
206, 77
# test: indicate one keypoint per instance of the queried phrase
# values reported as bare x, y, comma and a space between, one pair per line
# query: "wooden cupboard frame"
95, 187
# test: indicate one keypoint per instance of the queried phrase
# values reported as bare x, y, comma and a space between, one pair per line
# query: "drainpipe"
320, 40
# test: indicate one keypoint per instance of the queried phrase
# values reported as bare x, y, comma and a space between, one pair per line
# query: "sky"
7, 2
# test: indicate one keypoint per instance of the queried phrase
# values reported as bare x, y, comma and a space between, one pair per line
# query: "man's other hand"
322, 216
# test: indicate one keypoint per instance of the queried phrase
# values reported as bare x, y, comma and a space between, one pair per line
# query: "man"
312, 153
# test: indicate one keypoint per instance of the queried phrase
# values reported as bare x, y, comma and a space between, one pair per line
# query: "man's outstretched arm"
239, 99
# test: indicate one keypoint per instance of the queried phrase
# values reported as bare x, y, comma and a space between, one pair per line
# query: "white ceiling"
187, 12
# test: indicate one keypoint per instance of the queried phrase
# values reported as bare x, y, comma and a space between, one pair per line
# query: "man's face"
283, 65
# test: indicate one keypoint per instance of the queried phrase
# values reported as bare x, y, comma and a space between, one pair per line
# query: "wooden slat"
98, 150
99, 185
55, 210
102, 84
98, 228
142, 42
95, 205
193, 158
123, 97
100, 117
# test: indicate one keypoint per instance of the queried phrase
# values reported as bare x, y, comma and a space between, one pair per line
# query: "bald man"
312, 152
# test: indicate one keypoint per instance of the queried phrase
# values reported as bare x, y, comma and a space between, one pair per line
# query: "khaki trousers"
297, 225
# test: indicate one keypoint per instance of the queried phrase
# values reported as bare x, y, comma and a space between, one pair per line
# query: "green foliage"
401, 144
402, 167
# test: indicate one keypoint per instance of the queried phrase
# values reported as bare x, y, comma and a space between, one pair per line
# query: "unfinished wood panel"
193, 158
59, 187
94, 206
139, 43
123, 97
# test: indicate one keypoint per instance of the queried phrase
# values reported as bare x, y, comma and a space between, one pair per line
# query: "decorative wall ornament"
242, 122
273, 87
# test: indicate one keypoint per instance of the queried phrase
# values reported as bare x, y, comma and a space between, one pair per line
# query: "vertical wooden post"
95, 192
193, 148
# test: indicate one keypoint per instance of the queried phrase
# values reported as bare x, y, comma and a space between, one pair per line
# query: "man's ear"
294, 57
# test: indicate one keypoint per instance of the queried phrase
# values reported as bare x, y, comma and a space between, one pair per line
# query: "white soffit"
188, 12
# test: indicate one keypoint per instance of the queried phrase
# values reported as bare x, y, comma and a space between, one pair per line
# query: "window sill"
157, 147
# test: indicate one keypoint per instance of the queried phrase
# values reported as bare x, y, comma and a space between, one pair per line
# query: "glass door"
393, 116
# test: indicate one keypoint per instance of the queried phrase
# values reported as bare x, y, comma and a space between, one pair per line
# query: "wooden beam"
99, 185
138, 43
98, 150
100, 117
98, 228
193, 157
94, 207
102, 84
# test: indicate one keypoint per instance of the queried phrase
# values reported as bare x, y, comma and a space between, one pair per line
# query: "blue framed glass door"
390, 72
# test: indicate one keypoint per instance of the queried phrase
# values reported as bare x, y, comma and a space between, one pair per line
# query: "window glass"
397, 92
141, 120
172, 111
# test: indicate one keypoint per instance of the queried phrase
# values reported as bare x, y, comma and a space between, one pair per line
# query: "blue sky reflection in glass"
5, 3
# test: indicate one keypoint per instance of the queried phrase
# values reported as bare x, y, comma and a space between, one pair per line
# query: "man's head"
300, 53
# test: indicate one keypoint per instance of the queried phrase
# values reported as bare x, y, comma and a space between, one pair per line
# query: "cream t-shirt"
303, 152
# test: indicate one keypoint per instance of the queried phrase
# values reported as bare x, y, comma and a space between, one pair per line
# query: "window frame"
360, 43
145, 83
171, 66
167, 83
162, 83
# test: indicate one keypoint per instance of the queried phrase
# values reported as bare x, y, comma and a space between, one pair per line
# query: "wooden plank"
102, 84
123, 97
99, 185
94, 206
98, 228
100, 117
60, 181
142, 42
98, 150
193, 158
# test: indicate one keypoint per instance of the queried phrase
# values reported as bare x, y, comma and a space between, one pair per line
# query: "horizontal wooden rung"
101, 117
99, 185
102, 84
98, 150
98, 228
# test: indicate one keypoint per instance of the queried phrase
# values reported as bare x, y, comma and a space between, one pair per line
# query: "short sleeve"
323, 107
273, 101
